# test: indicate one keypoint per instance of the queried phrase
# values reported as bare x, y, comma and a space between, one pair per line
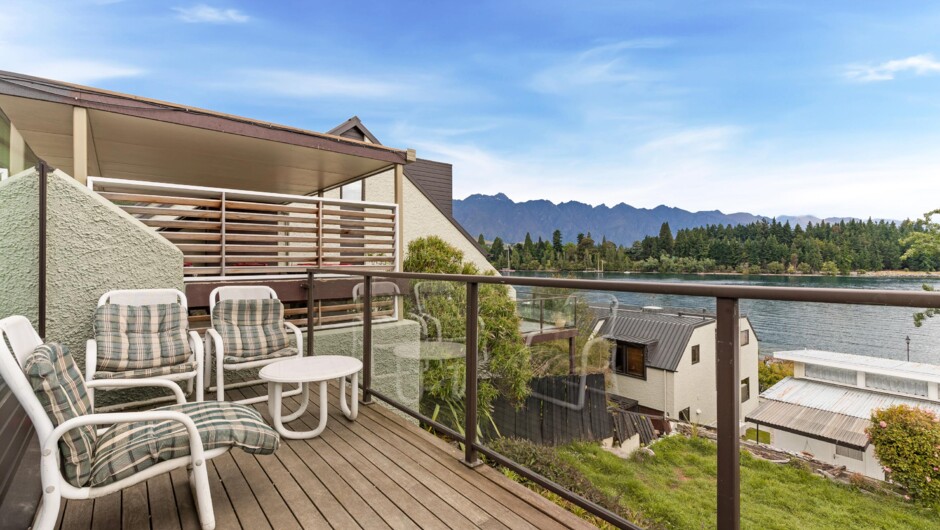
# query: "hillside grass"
677, 487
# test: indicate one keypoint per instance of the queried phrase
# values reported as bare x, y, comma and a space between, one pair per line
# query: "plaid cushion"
128, 448
286, 352
59, 386
137, 337
250, 328
148, 372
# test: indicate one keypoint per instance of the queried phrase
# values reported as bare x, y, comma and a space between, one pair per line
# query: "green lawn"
751, 434
676, 489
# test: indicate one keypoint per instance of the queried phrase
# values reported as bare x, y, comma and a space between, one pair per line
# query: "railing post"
222, 234
367, 340
470, 418
727, 369
309, 313
542, 314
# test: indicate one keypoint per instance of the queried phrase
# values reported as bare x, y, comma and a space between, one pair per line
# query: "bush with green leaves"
507, 364
907, 444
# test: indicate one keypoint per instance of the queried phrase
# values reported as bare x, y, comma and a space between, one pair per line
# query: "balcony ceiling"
133, 138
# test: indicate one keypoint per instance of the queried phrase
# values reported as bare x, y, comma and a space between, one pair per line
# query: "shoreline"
854, 274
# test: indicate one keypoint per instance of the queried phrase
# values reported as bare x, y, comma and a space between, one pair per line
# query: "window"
685, 415
745, 337
896, 384
696, 354
352, 191
836, 375
745, 389
630, 359
850, 452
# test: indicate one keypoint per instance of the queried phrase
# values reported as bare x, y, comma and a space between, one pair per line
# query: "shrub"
829, 268
509, 365
770, 372
907, 443
775, 267
546, 461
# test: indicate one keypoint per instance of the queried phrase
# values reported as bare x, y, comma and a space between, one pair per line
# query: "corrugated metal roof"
864, 363
815, 423
669, 334
855, 402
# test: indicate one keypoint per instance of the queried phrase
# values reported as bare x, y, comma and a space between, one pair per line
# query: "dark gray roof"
666, 335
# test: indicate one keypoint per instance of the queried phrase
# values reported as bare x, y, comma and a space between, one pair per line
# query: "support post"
310, 313
470, 418
43, 197
367, 341
80, 144
222, 233
729, 403
400, 202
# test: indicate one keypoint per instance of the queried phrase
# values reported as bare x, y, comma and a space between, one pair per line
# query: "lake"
864, 330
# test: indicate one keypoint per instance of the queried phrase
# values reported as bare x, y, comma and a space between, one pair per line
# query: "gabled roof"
666, 335
353, 128
433, 179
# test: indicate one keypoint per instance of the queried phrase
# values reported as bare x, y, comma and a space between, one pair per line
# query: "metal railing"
727, 362
228, 233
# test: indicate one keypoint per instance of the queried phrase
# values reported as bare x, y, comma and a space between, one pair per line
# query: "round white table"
305, 370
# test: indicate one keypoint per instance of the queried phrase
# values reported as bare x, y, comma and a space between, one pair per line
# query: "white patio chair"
79, 461
234, 349
170, 351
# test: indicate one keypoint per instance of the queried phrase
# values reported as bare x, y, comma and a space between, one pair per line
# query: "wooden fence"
560, 409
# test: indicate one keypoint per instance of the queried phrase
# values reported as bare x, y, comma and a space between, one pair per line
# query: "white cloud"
918, 64
698, 140
601, 65
322, 85
202, 13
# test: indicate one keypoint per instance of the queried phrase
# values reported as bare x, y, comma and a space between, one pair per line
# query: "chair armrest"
298, 335
50, 444
217, 348
128, 383
195, 342
91, 359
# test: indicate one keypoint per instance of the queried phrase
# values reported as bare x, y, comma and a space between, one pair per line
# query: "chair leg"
202, 495
51, 494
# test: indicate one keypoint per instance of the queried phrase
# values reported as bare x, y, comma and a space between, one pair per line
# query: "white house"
824, 408
665, 361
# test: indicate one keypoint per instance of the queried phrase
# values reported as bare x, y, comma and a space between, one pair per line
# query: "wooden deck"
377, 472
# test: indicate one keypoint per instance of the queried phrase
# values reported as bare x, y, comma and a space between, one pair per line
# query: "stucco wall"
92, 246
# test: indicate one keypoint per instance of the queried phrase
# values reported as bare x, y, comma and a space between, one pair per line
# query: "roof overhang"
144, 139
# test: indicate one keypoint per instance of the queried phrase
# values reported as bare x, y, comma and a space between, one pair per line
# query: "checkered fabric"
128, 448
58, 384
148, 372
250, 328
139, 337
286, 352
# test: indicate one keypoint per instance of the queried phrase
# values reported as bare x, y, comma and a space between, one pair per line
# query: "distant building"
824, 408
665, 361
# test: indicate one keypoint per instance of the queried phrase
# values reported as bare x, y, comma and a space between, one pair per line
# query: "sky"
773, 108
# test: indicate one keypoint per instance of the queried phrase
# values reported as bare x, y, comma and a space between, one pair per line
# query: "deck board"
377, 472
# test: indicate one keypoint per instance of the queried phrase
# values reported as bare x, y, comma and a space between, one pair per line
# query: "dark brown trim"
354, 123
728, 372
18, 85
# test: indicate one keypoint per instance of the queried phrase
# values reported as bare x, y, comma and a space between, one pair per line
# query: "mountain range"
498, 215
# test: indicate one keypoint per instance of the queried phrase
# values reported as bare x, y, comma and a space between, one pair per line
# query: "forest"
766, 247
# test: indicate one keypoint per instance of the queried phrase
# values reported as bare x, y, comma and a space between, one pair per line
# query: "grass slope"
676, 489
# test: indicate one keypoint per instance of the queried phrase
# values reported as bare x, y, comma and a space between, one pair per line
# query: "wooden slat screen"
228, 233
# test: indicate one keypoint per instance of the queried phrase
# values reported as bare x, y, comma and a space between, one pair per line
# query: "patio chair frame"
55, 487
141, 297
213, 343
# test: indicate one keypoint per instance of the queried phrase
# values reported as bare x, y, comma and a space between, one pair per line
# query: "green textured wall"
93, 247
